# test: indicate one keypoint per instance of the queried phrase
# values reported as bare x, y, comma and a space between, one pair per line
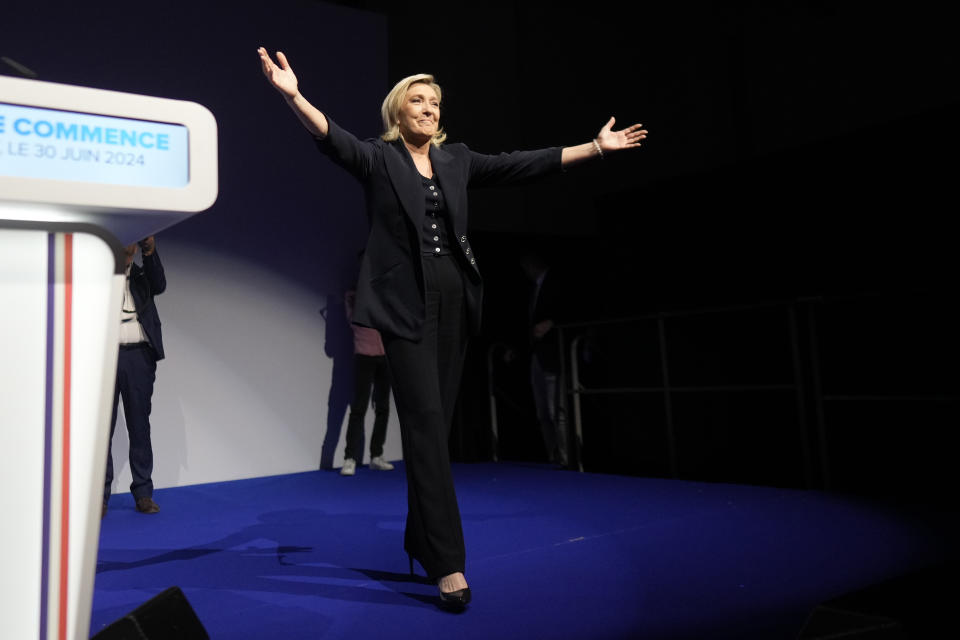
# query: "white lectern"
83, 172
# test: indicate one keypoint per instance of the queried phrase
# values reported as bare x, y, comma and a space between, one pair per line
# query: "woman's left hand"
628, 138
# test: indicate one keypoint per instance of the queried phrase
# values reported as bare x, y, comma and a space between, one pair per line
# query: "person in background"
141, 346
370, 370
544, 311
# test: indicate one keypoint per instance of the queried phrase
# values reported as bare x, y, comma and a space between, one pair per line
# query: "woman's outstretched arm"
283, 80
607, 141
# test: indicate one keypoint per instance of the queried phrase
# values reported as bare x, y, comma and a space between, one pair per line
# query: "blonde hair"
390, 109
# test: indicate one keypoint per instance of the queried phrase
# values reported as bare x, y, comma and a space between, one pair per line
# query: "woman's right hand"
281, 77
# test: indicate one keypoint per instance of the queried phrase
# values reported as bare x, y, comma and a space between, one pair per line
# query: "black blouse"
434, 234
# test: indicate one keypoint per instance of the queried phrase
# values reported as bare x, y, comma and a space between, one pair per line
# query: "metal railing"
577, 389
806, 383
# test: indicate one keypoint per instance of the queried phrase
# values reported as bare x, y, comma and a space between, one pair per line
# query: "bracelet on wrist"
596, 145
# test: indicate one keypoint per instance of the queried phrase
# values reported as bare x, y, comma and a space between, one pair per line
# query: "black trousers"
426, 379
136, 373
369, 371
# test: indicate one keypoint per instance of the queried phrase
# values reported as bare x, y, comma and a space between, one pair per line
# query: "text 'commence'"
86, 133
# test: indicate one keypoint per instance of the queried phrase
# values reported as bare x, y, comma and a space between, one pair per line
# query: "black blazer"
145, 283
390, 286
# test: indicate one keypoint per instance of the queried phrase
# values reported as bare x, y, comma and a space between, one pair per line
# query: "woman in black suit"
418, 282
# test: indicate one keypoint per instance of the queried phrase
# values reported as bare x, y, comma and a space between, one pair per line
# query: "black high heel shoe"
455, 600
452, 601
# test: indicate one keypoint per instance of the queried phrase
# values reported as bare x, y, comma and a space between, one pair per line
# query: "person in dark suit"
419, 284
141, 346
544, 312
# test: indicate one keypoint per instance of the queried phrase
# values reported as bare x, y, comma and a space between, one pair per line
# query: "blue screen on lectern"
82, 147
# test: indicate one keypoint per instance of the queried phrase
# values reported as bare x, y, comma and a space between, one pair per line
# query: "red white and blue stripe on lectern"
56, 449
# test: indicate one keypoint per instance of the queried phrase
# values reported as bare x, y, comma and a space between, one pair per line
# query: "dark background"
801, 156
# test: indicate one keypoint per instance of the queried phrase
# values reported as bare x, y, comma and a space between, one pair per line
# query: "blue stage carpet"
550, 554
